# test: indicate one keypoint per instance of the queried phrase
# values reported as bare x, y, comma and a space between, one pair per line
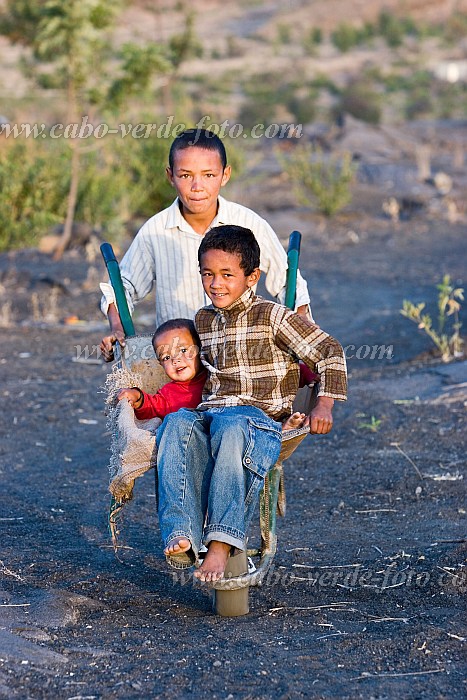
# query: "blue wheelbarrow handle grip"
293, 255
117, 284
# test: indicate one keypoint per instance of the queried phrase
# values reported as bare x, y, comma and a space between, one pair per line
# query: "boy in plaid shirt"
212, 460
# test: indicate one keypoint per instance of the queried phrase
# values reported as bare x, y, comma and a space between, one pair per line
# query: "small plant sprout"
448, 342
373, 424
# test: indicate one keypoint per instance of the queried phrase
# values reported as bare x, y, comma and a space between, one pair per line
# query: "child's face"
198, 176
223, 279
178, 354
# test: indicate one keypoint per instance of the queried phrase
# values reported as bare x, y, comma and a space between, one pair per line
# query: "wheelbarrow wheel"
233, 603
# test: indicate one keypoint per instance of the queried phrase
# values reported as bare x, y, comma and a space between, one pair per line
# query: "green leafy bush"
284, 33
391, 29
303, 108
345, 37
105, 192
33, 187
455, 28
362, 102
122, 179
323, 182
144, 161
452, 100
312, 39
262, 94
419, 103
139, 64
323, 82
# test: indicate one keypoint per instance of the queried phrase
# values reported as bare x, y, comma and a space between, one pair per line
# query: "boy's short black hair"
233, 239
175, 324
201, 138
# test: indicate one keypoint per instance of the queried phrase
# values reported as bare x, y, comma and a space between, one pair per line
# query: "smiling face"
178, 354
198, 176
224, 281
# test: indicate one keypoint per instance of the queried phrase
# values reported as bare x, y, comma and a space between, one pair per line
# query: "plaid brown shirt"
251, 350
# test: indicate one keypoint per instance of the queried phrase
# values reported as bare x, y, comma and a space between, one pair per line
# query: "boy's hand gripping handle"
117, 285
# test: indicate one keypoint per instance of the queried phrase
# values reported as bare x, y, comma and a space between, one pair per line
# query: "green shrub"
424, 95
455, 28
139, 65
311, 40
367, 32
419, 103
260, 111
319, 181
263, 92
345, 37
395, 82
144, 161
33, 188
359, 100
420, 79
452, 100
105, 192
284, 33
316, 36
303, 109
391, 29
323, 82
121, 179
409, 27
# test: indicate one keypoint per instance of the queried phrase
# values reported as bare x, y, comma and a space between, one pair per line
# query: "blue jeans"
211, 467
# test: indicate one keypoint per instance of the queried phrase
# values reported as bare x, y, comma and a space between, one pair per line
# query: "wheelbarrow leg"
233, 603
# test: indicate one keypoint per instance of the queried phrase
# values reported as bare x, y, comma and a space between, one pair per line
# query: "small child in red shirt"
176, 344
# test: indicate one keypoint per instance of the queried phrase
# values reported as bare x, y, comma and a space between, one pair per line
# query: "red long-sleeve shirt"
171, 397
306, 375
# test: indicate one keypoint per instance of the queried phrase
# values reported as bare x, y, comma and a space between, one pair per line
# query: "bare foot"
213, 567
295, 421
176, 546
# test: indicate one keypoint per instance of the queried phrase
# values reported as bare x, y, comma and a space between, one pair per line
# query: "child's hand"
107, 344
134, 396
320, 419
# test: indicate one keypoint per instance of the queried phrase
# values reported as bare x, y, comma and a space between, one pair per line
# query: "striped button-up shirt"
251, 350
164, 253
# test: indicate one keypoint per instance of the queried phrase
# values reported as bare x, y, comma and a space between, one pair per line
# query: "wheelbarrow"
231, 593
